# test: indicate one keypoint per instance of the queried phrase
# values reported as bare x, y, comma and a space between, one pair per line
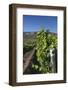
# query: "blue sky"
35, 23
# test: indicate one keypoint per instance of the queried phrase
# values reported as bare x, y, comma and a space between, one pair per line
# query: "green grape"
43, 42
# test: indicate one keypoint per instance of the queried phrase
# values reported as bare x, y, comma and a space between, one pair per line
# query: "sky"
33, 23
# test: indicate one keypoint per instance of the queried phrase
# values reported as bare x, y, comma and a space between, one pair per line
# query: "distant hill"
31, 35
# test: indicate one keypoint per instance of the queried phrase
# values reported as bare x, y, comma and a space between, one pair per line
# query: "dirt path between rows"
27, 59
